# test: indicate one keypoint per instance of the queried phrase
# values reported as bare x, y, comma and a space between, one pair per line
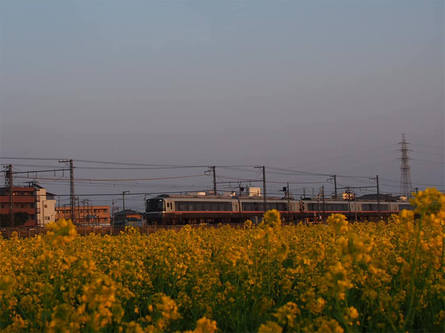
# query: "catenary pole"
214, 179
11, 195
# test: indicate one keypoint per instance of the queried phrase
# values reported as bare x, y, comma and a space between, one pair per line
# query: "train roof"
213, 196
373, 197
229, 196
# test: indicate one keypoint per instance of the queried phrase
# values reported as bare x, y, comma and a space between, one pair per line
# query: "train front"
154, 209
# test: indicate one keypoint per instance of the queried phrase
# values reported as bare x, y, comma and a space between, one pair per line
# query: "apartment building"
86, 215
27, 206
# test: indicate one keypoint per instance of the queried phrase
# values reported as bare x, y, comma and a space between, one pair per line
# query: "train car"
189, 209
202, 208
128, 218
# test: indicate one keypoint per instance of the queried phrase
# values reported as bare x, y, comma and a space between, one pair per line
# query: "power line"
122, 179
37, 171
161, 165
427, 161
175, 166
303, 173
111, 194
167, 165
299, 172
30, 158
428, 146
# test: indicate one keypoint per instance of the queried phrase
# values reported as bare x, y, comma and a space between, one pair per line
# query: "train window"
336, 207
181, 206
374, 207
259, 206
278, 206
155, 205
203, 206
314, 206
250, 206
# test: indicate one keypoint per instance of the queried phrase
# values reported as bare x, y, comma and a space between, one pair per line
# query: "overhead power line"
428, 146
427, 161
120, 179
299, 172
111, 194
307, 173
167, 165
158, 165
30, 158
37, 171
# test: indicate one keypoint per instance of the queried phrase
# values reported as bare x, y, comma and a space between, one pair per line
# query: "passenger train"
202, 208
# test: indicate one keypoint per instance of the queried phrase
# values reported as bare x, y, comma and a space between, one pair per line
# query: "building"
27, 206
46, 206
86, 215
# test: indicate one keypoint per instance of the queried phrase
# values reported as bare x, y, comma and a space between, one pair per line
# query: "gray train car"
199, 208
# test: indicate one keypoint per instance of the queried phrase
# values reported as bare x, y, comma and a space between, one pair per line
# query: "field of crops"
337, 277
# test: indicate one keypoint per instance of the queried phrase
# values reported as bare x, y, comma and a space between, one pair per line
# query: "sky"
320, 86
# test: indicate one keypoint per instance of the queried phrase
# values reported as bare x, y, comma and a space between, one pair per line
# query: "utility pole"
72, 191
86, 211
335, 186
378, 192
77, 217
113, 211
288, 201
214, 179
318, 203
123, 199
84, 205
9, 183
287, 197
349, 197
264, 186
72, 197
240, 189
323, 200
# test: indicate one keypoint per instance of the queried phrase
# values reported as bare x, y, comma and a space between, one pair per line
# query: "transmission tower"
405, 174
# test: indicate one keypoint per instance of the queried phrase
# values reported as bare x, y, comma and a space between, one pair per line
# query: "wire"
160, 165
428, 146
105, 194
300, 172
36, 171
318, 174
30, 158
149, 165
427, 161
120, 179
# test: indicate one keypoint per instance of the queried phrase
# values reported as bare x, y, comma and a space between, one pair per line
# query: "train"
197, 208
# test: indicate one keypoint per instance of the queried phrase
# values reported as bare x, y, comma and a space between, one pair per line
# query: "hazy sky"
324, 86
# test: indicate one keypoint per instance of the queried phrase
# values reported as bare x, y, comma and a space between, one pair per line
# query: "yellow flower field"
338, 277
